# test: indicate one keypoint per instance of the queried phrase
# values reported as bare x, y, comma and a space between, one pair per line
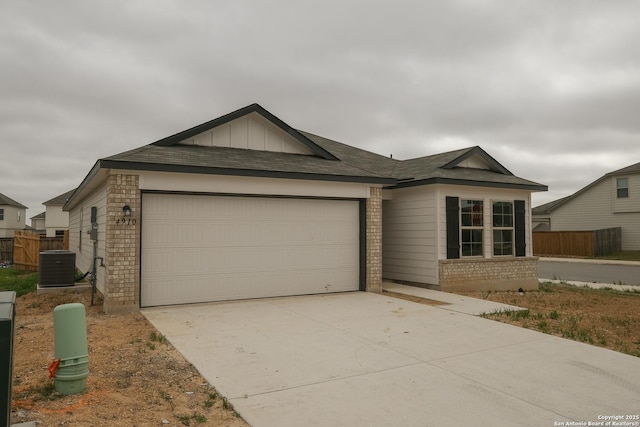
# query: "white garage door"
198, 248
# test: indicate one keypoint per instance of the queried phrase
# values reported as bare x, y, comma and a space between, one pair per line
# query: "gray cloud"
551, 89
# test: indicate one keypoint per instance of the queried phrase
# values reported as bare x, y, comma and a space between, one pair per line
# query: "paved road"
599, 272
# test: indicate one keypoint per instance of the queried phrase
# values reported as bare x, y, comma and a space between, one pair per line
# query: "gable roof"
59, 200
435, 169
553, 205
253, 108
41, 215
7, 201
447, 168
548, 207
329, 161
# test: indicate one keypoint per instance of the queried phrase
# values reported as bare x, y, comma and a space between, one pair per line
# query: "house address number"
126, 221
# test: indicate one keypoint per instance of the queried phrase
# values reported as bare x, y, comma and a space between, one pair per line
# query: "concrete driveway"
362, 359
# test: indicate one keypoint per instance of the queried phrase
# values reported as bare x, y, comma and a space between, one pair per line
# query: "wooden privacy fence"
26, 250
27, 247
587, 244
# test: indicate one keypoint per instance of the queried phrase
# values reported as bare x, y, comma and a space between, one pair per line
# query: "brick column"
122, 258
374, 240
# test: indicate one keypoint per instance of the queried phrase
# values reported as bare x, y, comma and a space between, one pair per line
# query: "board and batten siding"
82, 245
251, 132
409, 251
598, 208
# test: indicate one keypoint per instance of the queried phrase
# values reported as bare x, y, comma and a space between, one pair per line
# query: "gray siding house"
611, 201
245, 206
57, 220
12, 216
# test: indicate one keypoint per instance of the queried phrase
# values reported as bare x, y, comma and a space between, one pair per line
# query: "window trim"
1, 214
454, 233
495, 228
624, 189
473, 227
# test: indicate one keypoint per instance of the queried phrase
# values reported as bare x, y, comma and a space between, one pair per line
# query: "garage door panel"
212, 248
231, 286
230, 259
235, 234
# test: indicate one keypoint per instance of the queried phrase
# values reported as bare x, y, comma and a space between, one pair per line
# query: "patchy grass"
22, 282
602, 317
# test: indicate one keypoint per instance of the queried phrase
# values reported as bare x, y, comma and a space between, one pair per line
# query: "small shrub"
157, 337
225, 403
543, 327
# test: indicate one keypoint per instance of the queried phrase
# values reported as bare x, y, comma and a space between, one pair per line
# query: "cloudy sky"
551, 89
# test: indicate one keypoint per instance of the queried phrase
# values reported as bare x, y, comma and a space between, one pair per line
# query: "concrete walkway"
454, 302
363, 359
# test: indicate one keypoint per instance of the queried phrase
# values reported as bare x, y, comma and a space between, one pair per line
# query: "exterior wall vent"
57, 268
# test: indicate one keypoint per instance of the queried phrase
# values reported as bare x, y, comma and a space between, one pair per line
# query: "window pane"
622, 188
471, 242
502, 242
472, 213
503, 214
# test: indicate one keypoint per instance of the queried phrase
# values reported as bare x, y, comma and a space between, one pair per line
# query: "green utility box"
7, 326
70, 333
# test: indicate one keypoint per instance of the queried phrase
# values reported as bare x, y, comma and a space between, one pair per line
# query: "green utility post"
7, 325
70, 330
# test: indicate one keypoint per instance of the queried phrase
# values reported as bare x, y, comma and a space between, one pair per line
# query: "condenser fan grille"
57, 268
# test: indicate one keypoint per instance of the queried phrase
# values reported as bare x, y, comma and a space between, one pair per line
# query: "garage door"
198, 248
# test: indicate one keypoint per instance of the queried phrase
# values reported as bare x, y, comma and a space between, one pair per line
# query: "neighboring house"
611, 201
37, 223
57, 220
12, 216
244, 206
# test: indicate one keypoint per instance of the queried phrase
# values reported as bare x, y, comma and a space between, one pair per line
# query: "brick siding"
489, 274
374, 240
122, 245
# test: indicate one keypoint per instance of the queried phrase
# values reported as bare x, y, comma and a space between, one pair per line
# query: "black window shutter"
521, 246
453, 228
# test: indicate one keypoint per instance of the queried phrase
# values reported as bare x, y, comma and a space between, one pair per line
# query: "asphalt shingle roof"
59, 200
332, 160
7, 201
352, 164
419, 169
223, 158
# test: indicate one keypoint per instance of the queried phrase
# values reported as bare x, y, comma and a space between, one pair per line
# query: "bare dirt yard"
136, 377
